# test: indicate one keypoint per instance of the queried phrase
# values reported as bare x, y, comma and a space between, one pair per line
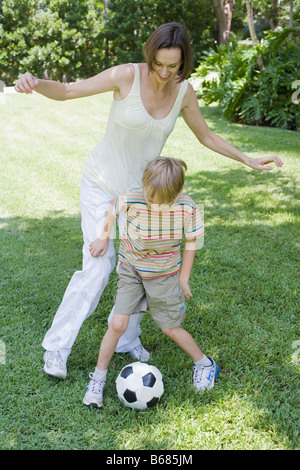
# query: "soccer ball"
139, 385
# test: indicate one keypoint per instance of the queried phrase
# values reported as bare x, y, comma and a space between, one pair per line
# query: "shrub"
230, 76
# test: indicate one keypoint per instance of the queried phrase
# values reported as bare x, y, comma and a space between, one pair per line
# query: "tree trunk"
252, 31
228, 10
106, 59
223, 11
291, 19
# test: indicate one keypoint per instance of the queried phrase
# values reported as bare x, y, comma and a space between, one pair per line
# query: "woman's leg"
86, 286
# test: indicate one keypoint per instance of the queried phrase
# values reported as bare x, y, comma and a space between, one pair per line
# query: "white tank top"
132, 138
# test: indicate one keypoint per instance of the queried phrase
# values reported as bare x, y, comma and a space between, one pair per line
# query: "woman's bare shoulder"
190, 98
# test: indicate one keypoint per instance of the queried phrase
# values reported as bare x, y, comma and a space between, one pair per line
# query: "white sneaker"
204, 376
94, 393
140, 353
55, 365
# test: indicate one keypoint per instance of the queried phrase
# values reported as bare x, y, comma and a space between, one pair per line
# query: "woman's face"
166, 64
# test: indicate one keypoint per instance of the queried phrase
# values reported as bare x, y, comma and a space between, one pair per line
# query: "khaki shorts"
163, 294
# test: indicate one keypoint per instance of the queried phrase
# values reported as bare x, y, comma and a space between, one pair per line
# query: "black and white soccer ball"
139, 385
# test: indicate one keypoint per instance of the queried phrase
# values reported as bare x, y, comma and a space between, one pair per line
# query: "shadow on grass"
243, 312
240, 192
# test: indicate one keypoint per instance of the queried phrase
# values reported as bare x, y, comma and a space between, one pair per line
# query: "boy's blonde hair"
163, 179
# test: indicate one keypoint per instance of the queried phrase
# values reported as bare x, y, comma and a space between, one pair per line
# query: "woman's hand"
259, 163
99, 247
27, 83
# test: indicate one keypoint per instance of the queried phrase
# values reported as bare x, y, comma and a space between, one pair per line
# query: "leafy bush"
230, 76
75, 39
56, 38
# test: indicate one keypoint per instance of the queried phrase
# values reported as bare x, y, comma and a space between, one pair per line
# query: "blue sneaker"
204, 376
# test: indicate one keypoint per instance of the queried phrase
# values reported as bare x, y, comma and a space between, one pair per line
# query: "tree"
252, 31
251, 21
57, 39
291, 18
223, 11
274, 13
130, 22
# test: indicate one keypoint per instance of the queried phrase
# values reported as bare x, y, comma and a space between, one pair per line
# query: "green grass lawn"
245, 283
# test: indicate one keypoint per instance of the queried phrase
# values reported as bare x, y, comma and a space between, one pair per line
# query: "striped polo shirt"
151, 239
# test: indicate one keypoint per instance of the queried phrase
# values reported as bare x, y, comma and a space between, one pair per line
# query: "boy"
149, 265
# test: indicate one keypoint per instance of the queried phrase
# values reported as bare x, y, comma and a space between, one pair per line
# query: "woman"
147, 99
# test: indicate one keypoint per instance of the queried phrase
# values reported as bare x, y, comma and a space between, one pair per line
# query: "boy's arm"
99, 246
186, 266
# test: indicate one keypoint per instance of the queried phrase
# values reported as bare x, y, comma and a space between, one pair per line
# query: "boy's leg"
167, 306
130, 299
94, 393
109, 342
205, 369
130, 341
185, 341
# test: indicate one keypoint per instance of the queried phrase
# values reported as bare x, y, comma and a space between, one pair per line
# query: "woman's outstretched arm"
194, 119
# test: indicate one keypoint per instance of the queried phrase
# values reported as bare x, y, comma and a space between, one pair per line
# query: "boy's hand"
99, 247
186, 288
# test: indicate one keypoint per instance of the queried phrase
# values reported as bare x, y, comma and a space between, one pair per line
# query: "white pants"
86, 286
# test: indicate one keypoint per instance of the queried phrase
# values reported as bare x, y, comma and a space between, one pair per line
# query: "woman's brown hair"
166, 36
